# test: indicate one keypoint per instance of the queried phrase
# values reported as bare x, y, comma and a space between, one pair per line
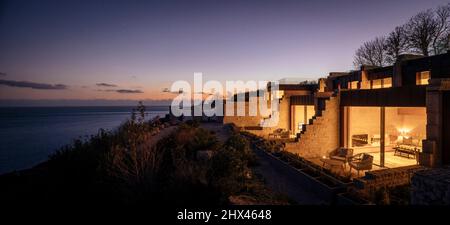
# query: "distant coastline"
80, 102
30, 134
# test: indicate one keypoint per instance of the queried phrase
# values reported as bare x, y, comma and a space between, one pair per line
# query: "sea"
28, 135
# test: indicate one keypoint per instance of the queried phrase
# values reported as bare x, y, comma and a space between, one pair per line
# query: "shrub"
131, 166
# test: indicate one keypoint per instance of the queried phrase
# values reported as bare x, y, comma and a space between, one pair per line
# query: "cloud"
105, 85
33, 85
167, 90
2, 74
128, 91
124, 91
161, 104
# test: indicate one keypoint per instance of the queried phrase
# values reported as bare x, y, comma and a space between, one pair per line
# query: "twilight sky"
134, 49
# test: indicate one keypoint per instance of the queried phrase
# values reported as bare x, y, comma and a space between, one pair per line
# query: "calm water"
29, 135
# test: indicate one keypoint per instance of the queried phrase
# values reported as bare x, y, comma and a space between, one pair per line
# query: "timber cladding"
406, 96
302, 100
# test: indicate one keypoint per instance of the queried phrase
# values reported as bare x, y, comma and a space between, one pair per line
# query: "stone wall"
285, 112
373, 181
255, 121
392, 177
247, 122
431, 187
243, 121
433, 148
322, 136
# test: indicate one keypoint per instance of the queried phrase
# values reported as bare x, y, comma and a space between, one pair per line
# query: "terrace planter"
312, 173
297, 165
347, 199
277, 154
323, 186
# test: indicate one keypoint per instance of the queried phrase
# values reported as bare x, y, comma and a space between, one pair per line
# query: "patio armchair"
278, 133
342, 154
362, 161
285, 134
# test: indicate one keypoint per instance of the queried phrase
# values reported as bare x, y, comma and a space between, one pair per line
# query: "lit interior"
405, 128
422, 78
376, 84
353, 85
301, 115
381, 83
387, 82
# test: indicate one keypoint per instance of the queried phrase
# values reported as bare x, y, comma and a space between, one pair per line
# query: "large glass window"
405, 126
364, 124
404, 130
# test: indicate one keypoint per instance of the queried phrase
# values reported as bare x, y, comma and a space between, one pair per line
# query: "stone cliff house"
372, 110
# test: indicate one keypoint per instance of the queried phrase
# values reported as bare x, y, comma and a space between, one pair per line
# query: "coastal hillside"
145, 162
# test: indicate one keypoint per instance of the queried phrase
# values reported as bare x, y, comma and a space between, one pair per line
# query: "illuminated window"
382, 83
422, 78
404, 128
376, 84
301, 115
387, 82
353, 85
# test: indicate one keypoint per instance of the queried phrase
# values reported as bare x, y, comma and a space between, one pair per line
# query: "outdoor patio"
391, 161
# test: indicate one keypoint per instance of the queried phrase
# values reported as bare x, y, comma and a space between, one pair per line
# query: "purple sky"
145, 46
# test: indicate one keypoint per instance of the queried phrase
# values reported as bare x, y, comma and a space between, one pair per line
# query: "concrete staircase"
321, 134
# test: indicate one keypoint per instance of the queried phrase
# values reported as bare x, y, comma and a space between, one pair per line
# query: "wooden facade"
407, 96
302, 100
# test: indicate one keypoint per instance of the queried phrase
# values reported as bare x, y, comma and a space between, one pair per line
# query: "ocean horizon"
28, 135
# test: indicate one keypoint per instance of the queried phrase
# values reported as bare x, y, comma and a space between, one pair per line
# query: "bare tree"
396, 44
421, 30
442, 20
426, 33
371, 53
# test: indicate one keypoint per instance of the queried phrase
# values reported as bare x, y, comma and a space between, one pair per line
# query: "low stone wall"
431, 187
373, 181
247, 121
261, 133
306, 181
243, 121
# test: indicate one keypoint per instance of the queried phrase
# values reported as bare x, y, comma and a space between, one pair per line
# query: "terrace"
391, 161
382, 138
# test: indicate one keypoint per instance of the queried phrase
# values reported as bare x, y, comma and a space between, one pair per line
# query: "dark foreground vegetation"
157, 162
